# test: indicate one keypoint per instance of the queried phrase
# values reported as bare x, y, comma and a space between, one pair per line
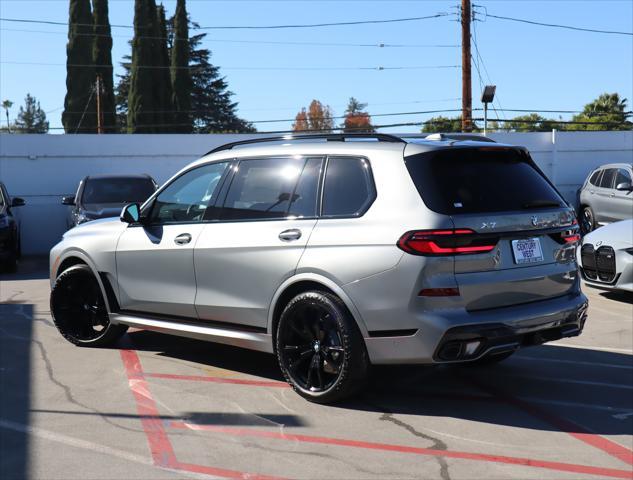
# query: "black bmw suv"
9, 230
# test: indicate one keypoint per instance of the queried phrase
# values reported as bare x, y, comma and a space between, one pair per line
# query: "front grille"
587, 255
598, 264
605, 263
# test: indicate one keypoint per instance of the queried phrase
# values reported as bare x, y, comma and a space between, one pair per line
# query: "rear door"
497, 196
255, 237
603, 203
622, 203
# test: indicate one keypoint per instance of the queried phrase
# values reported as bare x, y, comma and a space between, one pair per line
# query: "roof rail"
329, 137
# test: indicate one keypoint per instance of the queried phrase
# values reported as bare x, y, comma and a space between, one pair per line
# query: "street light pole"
487, 96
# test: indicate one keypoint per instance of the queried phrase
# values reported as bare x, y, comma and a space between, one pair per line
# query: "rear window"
117, 190
607, 178
478, 180
348, 189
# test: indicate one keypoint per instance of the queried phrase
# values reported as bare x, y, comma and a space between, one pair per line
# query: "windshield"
480, 180
117, 190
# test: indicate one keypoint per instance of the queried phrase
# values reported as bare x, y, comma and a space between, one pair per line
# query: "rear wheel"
79, 310
320, 349
587, 220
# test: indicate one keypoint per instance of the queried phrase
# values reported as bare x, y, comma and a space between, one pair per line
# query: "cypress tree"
180, 75
141, 98
163, 91
102, 57
80, 73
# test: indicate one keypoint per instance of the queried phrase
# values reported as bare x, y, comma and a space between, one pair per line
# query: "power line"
247, 42
555, 25
377, 68
245, 27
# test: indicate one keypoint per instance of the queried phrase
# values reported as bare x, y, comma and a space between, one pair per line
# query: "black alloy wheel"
79, 310
587, 222
320, 349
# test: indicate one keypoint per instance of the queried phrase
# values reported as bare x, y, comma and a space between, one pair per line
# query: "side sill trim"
261, 342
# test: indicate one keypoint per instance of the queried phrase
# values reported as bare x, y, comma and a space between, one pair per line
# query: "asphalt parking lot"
164, 407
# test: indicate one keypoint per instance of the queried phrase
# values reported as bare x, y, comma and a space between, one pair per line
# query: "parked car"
606, 257
334, 252
606, 196
9, 230
102, 196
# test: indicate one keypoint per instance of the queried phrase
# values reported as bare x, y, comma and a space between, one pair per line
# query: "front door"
154, 258
254, 243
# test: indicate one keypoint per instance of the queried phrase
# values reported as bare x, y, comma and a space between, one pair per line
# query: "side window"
594, 180
607, 178
304, 200
348, 189
267, 188
623, 176
187, 197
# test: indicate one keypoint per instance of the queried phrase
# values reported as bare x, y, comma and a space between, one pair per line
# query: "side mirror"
625, 186
130, 213
69, 200
17, 202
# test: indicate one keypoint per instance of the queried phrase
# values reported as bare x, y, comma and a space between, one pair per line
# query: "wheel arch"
306, 282
77, 257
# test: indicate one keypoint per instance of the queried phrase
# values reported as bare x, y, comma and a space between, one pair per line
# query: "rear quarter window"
348, 188
479, 180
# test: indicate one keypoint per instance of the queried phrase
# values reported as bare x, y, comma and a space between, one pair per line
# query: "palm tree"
7, 104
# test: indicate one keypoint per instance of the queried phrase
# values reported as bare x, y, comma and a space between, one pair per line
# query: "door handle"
612, 194
182, 239
289, 235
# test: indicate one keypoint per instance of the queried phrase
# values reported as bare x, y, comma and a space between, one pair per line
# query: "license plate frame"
527, 251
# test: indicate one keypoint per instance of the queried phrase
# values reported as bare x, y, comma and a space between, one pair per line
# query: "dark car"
102, 196
9, 230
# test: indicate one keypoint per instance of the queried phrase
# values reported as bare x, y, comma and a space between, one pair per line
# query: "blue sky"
533, 67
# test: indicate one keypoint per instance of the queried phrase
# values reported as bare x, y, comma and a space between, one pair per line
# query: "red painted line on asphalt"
203, 378
162, 450
527, 462
159, 444
573, 429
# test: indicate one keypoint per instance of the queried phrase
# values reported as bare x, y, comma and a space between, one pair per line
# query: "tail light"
446, 242
567, 236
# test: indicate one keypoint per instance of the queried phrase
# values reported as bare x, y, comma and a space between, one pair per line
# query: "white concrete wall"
43, 168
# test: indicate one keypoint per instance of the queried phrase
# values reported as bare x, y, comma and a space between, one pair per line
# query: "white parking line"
627, 351
570, 381
573, 362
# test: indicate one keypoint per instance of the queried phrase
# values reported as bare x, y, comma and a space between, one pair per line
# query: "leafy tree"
531, 122
79, 105
31, 118
141, 94
102, 58
7, 104
608, 112
442, 124
180, 74
356, 119
317, 117
212, 108
163, 115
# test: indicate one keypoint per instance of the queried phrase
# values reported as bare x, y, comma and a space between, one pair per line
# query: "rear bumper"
498, 330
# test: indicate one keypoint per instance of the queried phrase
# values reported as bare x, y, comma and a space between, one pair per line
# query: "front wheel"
320, 350
79, 310
587, 220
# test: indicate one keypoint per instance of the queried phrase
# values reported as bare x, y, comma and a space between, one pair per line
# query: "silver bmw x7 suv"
334, 252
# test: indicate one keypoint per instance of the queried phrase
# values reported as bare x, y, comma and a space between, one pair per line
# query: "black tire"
587, 220
79, 310
332, 363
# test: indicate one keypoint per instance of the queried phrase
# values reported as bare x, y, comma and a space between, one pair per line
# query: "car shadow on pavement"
623, 297
534, 389
29, 268
16, 323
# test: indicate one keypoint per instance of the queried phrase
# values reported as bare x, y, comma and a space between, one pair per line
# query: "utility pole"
467, 94
99, 112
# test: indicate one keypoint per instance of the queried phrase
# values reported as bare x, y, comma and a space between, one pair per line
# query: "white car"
606, 257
